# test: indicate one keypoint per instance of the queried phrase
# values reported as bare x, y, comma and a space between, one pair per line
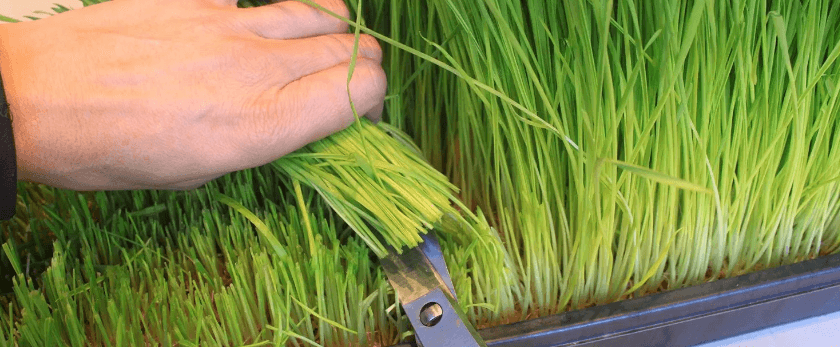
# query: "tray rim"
691, 315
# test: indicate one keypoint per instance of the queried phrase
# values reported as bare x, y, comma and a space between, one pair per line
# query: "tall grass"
598, 150
675, 142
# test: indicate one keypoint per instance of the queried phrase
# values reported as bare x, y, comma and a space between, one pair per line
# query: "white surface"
822, 331
19, 8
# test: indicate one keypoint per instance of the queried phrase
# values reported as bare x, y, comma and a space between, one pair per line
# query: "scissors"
424, 287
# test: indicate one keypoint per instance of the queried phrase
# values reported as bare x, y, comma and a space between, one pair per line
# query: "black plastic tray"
688, 316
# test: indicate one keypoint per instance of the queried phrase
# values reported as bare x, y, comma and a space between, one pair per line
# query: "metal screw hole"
431, 314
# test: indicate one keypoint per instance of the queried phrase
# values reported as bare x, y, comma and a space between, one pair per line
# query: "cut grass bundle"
603, 150
376, 183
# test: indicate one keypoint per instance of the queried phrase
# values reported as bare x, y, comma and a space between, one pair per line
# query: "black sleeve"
8, 161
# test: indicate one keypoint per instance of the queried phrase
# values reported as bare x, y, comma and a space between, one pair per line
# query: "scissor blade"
431, 248
411, 274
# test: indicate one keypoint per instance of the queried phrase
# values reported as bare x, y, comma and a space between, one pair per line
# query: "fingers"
313, 108
290, 60
337, 47
294, 19
324, 102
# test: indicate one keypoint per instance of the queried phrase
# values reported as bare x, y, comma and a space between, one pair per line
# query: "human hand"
170, 94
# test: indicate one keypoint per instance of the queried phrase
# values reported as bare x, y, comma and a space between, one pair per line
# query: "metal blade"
431, 248
411, 274
427, 296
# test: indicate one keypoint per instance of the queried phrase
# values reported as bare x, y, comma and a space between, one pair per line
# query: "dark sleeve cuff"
8, 161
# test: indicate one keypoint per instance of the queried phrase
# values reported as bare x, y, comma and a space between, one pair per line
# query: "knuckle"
342, 46
370, 46
374, 75
380, 79
340, 26
335, 46
335, 25
273, 13
338, 7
